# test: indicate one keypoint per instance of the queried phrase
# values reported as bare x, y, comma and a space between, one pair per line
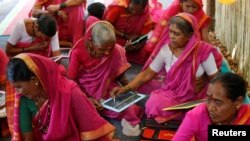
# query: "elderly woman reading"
48, 106
189, 63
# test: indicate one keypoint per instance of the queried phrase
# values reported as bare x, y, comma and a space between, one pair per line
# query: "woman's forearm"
70, 3
142, 78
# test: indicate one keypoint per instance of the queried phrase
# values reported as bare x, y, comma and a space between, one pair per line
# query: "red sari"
67, 114
97, 76
129, 24
72, 29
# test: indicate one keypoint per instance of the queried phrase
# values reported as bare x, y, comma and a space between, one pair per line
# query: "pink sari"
56, 114
46, 52
197, 120
72, 29
160, 34
97, 76
177, 89
130, 24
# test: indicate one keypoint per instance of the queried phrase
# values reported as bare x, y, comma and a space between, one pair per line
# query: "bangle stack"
63, 5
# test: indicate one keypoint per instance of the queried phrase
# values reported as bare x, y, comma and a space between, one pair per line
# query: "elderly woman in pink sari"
189, 63
37, 36
69, 16
131, 20
48, 106
97, 63
194, 7
224, 106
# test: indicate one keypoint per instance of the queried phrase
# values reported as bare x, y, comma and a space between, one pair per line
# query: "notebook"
186, 105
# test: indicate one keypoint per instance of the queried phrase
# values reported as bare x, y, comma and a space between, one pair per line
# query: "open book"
185, 105
122, 101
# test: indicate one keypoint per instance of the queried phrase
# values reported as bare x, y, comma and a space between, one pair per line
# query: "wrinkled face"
221, 109
177, 38
29, 88
103, 50
189, 6
135, 9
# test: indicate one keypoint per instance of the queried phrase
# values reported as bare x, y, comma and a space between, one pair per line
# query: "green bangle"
63, 5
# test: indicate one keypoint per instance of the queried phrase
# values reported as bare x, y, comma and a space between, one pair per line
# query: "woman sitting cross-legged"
97, 63
224, 106
34, 36
48, 106
190, 63
131, 21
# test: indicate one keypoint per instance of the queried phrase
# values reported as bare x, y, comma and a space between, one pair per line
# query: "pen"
114, 99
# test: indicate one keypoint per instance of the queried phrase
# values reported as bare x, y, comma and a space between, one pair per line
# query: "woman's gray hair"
103, 32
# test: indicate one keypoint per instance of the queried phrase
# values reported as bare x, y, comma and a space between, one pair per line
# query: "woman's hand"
63, 15
53, 8
117, 91
96, 104
39, 46
134, 47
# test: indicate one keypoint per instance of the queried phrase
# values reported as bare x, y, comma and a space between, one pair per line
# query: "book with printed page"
186, 105
122, 101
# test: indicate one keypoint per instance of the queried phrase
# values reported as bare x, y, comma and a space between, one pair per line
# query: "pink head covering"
159, 35
58, 90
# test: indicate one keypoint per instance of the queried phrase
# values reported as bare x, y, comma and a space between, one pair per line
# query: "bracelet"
63, 5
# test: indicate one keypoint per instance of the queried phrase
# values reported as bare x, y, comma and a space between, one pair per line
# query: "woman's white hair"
103, 32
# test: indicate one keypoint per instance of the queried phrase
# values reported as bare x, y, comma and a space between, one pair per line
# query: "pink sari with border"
177, 89
97, 81
197, 120
160, 34
61, 124
72, 29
